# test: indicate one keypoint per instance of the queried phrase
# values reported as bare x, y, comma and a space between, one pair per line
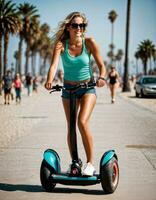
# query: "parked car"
145, 86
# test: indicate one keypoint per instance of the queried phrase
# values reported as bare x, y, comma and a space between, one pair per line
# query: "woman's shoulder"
90, 40
91, 44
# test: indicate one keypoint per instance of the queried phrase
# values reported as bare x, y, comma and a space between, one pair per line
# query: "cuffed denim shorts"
79, 92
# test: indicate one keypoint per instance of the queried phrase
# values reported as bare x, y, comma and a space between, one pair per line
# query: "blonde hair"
62, 33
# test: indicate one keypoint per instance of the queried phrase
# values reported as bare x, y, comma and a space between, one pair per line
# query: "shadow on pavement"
146, 97
82, 191
33, 117
38, 188
20, 187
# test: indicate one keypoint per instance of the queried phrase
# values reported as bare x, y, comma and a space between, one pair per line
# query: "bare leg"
86, 107
113, 90
9, 98
5, 98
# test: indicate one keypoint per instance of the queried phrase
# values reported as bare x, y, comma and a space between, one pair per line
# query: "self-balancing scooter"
50, 171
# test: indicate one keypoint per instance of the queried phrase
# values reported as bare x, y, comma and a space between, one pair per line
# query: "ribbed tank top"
76, 68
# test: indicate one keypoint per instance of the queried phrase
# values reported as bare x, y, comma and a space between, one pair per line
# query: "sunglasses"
75, 26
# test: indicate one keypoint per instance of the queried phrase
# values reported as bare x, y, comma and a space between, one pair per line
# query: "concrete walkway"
124, 126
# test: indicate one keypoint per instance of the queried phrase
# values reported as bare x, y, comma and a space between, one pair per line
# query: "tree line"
23, 20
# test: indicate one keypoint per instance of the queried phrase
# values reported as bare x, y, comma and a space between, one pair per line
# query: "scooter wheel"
110, 176
45, 176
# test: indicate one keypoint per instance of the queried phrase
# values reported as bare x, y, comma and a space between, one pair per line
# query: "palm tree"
44, 46
137, 57
126, 84
46, 54
154, 58
16, 56
27, 12
112, 15
34, 35
110, 55
9, 24
119, 56
145, 50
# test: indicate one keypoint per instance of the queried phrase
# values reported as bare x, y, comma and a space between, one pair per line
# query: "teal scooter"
50, 171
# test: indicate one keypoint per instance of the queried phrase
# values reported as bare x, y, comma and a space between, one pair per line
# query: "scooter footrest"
72, 180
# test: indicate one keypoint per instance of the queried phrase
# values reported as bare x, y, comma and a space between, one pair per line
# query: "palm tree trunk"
6, 42
126, 84
35, 61
32, 64
19, 69
27, 59
145, 67
16, 66
44, 65
40, 64
1, 65
137, 70
112, 42
150, 59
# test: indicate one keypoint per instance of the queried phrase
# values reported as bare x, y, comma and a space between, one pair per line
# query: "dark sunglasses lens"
75, 26
82, 25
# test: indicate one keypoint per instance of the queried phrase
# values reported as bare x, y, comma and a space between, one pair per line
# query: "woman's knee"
82, 123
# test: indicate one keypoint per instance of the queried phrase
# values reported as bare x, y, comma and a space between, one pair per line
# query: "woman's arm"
94, 49
54, 63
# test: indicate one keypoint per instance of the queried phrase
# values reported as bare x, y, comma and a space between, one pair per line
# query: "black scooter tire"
110, 176
45, 176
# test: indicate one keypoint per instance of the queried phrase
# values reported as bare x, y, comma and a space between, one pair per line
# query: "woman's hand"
101, 82
48, 85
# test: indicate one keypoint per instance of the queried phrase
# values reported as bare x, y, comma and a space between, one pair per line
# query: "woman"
18, 87
113, 82
7, 85
70, 43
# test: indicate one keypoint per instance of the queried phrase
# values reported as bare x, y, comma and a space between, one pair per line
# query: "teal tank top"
76, 68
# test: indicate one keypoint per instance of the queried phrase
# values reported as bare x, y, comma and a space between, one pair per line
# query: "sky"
142, 21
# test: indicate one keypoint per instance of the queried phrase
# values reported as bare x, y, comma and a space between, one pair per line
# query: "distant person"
18, 87
113, 77
29, 83
35, 84
7, 86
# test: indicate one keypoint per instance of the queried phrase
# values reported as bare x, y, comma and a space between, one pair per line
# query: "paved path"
124, 126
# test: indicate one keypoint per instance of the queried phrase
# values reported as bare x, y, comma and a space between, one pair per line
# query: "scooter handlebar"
58, 88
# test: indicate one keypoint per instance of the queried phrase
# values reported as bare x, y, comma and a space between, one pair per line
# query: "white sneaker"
113, 101
88, 170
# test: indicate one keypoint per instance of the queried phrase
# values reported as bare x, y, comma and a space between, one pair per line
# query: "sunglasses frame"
75, 25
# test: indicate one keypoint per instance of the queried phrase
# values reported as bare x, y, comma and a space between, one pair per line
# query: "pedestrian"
75, 50
113, 77
35, 84
7, 86
29, 83
18, 87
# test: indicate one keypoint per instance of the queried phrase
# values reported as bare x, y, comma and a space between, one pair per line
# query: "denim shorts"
79, 92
